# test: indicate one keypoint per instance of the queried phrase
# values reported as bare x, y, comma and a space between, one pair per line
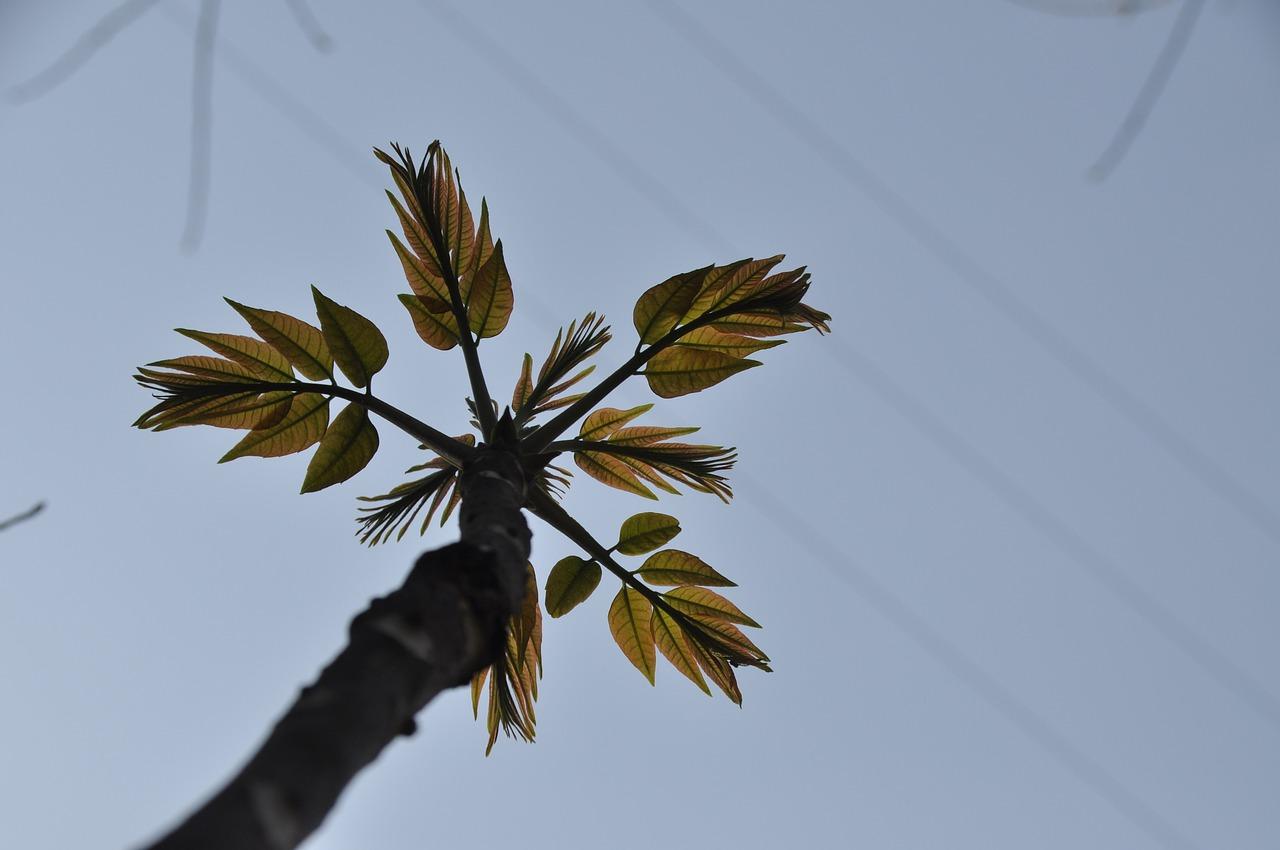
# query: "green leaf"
491, 299
673, 567
571, 582
524, 386
660, 308
438, 330
358, 346
423, 279
735, 345
645, 532
301, 343
253, 354
742, 281
707, 604
428, 264
756, 324
629, 622
255, 412
611, 471
648, 435
671, 642
678, 371
304, 425
606, 420
347, 447
210, 369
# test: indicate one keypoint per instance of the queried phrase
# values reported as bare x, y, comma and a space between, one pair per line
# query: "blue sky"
1012, 529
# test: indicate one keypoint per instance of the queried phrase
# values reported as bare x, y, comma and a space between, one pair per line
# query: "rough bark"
446, 622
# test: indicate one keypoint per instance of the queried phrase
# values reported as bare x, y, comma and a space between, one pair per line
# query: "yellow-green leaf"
611, 471
427, 265
358, 347
647, 435
730, 641
660, 307
671, 642
215, 370
477, 685
463, 243
438, 330
253, 354
735, 345
702, 603
629, 622
673, 567
422, 280
645, 532
346, 448
302, 344
481, 250
678, 371
718, 670
571, 582
742, 282
756, 324
490, 300
524, 386
304, 425
256, 412
606, 420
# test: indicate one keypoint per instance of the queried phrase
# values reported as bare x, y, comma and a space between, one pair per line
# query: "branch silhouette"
22, 517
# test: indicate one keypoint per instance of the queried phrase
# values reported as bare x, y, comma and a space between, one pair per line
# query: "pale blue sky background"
1012, 617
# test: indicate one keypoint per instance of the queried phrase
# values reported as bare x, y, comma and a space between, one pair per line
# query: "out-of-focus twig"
201, 125
310, 27
22, 517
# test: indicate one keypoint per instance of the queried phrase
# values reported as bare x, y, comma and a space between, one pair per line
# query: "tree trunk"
446, 622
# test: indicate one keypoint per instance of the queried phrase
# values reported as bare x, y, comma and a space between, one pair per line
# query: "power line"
970, 271
986, 686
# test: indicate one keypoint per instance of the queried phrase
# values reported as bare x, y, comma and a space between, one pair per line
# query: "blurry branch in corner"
25, 515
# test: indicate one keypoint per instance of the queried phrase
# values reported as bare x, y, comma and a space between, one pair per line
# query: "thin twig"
201, 125
22, 517
1094, 9
1151, 90
309, 25
94, 38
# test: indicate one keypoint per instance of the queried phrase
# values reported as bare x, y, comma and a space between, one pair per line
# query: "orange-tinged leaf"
606, 420
463, 243
304, 425
644, 532
735, 345
671, 642
524, 386
423, 280
730, 641
678, 371
703, 604
438, 330
210, 369
253, 354
477, 685
481, 250
647, 472
718, 670
302, 344
571, 582
428, 263
611, 471
647, 435
756, 324
256, 412
176, 413
346, 448
490, 301
742, 282
629, 622
660, 307
358, 347
673, 567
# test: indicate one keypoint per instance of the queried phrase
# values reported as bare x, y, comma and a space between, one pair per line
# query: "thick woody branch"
447, 621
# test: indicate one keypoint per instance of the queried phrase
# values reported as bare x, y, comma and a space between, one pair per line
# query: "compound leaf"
678, 371
304, 425
611, 471
302, 344
358, 347
253, 354
706, 604
671, 642
346, 448
606, 420
660, 308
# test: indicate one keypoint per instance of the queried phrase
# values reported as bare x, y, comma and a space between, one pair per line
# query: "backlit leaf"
606, 420
463, 243
438, 330
645, 532
702, 603
647, 435
428, 264
304, 425
302, 344
611, 471
490, 301
742, 281
346, 448
660, 308
735, 345
424, 282
571, 582
211, 369
756, 324
727, 640
678, 371
629, 622
671, 642
477, 685
255, 412
481, 250
718, 670
524, 386
358, 347
673, 567
254, 354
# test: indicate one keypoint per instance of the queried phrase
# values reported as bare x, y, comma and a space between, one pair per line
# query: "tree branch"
22, 517
445, 623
